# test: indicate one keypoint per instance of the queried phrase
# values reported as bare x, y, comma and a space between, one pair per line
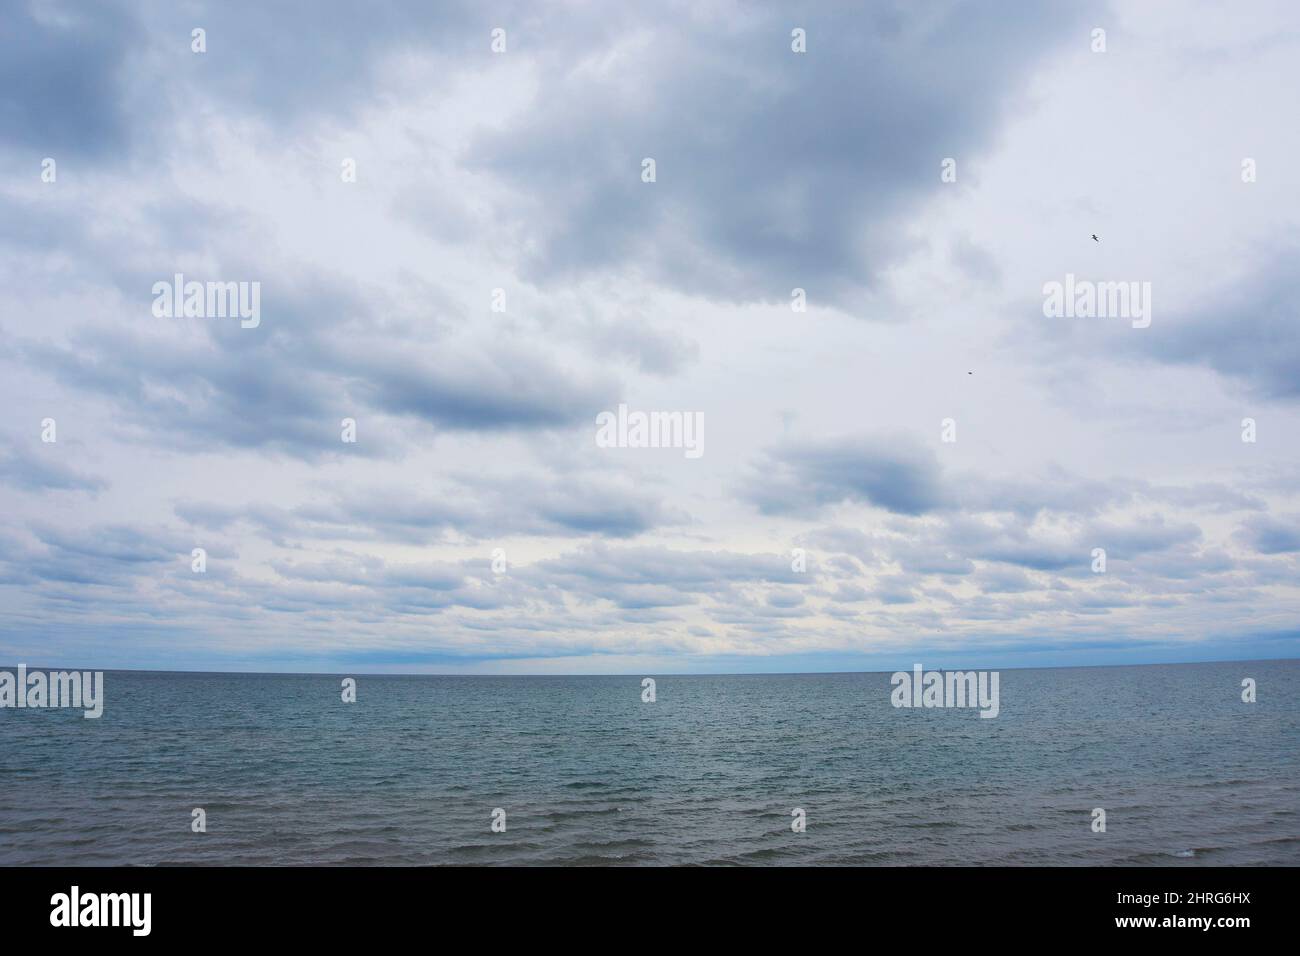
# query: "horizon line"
233, 673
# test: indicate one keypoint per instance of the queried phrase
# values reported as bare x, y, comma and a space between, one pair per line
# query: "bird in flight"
1094, 238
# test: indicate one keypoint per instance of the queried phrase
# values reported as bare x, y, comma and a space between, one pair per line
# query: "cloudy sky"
522, 171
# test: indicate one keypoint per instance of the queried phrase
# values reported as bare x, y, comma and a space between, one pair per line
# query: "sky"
460, 248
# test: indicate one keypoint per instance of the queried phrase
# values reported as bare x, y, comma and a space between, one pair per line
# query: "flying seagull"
1094, 238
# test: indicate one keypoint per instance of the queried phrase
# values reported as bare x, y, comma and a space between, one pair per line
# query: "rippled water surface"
708, 774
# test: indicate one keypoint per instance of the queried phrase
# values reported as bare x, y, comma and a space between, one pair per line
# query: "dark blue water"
708, 774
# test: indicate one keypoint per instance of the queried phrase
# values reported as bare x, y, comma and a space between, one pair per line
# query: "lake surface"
709, 773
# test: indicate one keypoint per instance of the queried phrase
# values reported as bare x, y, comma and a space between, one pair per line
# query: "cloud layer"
917, 463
